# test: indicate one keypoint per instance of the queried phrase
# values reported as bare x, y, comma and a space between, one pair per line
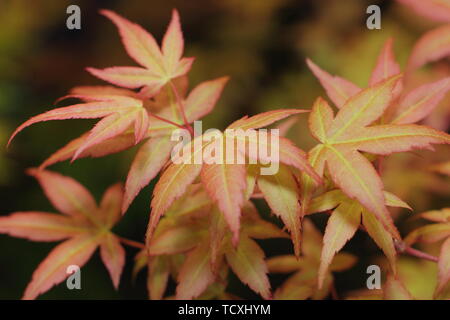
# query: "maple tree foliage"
203, 223
83, 225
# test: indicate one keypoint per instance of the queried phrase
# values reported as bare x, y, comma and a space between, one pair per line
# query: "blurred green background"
260, 44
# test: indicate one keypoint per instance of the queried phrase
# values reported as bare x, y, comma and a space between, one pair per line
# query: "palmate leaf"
147, 164
154, 153
160, 64
343, 136
346, 218
406, 107
230, 180
85, 225
126, 113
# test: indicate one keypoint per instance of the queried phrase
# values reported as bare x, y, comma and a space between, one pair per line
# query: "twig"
402, 247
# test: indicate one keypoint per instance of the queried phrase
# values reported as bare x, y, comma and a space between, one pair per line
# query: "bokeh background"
260, 44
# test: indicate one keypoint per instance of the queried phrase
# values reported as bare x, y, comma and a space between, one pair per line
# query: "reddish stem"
402, 247
132, 243
181, 107
167, 121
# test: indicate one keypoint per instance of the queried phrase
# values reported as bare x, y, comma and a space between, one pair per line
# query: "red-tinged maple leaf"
225, 183
346, 217
347, 134
434, 233
155, 152
85, 225
160, 65
406, 106
302, 284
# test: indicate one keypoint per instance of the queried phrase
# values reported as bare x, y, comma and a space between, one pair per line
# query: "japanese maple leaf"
83, 225
160, 65
346, 217
343, 137
194, 226
155, 152
406, 106
302, 284
438, 231
225, 183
